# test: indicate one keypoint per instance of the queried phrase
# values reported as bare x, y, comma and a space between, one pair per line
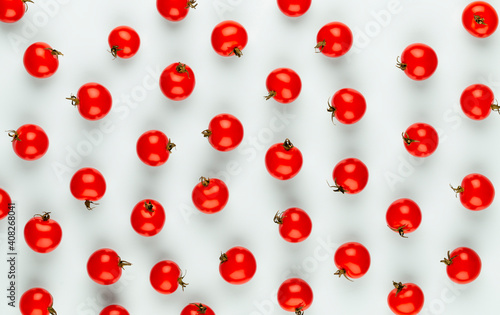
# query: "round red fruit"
148, 217
36, 301
175, 10
420, 140
237, 265
477, 102
154, 148
228, 38
124, 42
197, 309
295, 295
334, 39
403, 216
224, 133
210, 195
30, 142
405, 299
177, 81
12, 10
114, 310
165, 277
105, 266
40, 60
294, 8
283, 85
93, 101
476, 192
480, 19
418, 61
283, 160
88, 184
42, 234
348, 107
294, 224
350, 176
463, 265
5, 204
352, 260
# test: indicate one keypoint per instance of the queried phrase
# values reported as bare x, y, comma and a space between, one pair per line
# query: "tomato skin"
153, 148
425, 139
294, 8
478, 192
226, 132
349, 106
40, 61
94, 101
88, 184
30, 142
11, 10
194, 309
465, 265
351, 175
485, 11
284, 85
228, 38
148, 222
164, 277
404, 214
418, 61
176, 84
409, 301
476, 101
5, 203
337, 39
295, 294
104, 266
42, 234
35, 301
352, 258
295, 225
237, 265
210, 195
282, 161
114, 310
173, 10
124, 42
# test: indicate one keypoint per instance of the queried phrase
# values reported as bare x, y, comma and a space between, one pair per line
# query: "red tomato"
283, 85
124, 42
165, 277
403, 216
210, 195
42, 234
153, 148
295, 295
93, 101
334, 39
349, 106
36, 301
177, 81
294, 8
420, 139
197, 309
148, 217
88, 184
294, 224
114, 310
175, 10
463, 265
105, 266
12, 10
237, 265
229, 37
405, 299
225, 132
5, 203
283, 160
477, 102
350, 176
476, 192
480, 19
352, 260
40, 60
418, 61
30, 142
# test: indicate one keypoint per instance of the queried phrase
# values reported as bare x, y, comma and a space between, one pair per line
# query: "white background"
80, 29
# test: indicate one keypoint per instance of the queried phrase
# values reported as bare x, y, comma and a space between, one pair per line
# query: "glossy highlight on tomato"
420, 140
463, 265
295, 295
177, 81
36, 301
403, 216
42, 234
237, 265
30, 142
418, 61
148, 217
352, 260
175, 10
294, 224
405, 299
114, 310
228, 38
334, 39
476, 192
93, 101
166, 277
224, 133
124, 42
41, 60
12, 10
5, 204
105, 266
154, 148
348, 106
283, 85
283, 160
88, 184
350, 176
294, 8
197, 309
480, 19
477, 101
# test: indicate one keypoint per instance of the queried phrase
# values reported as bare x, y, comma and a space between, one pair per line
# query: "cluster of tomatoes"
283, 160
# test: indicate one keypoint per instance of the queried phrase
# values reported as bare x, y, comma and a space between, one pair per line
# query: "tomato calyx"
342, 272
51, 310
206, 133
448, 260
149, 206
123, 263
400, 65
26, 5
74, 100
55, 52
270, 95
222, 257
181, 68
202, 309
192, 4
181, 282
299, 311
399, 286
204, 181
407, 139
87, 204
170, 145
288, 145
237, 52
495, 107
45, 216
336, 187
115, 50
400, 230
278, 218
331, 109
320, 46
13, 134
457, 190
479, 20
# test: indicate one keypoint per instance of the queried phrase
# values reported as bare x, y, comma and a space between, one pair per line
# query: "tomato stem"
400, 65
448, 260
114, 50
55, 52
206, 133
181, 282
51, 310
320, 45
222, 257
400, 230
457, 190
149, 206
336, 187
407, 139
278, 218
288, 145
399, 286
204, 181
202, 309
191, 4
74, 101
87, 204
237, 52
123, 263
170, 145
26, 5
45, 216
13, 134
342, 272
479, 20
299, 311
331, 109
181, 68
495, 107
270, 95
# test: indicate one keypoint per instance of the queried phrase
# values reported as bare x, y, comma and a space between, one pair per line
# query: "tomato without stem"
476, 192
197, 309
480, 19
403, 216
177, 81
420, 140
224, 133
40, 60
418, 61
175, 10
350, 176
294, 8
348, 107
352, 260
153, 148
237, 265
36, 301
210, 195
93, 101
295, 295
294, 224
334, 39
406, 299
165, 277
105, 266
283, 85
88, 184
42, 234
228, 38
124, 42
114, 310
5, 204
30, 142
477, 102
148, 217
463, 265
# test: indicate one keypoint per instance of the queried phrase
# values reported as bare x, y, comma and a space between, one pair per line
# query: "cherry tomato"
349, 106
295, 295
36, 301
197, 309
476, 192
294, 8
5, 204
350, 176
229, 37
210, 195
405, 299
418, 61
175, 10
463, 265
225, 132
88, 184
352, 260
93, 101
12, 10
124, 42
40, 60
283, 85
114, 310
165, 277
283, 160
154, 148
237, 265
177, 81
477, 102
420, 139
403, 216
30, 142
334, 39
480, 19
148, 217
42, 234
294, 224
105, 266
